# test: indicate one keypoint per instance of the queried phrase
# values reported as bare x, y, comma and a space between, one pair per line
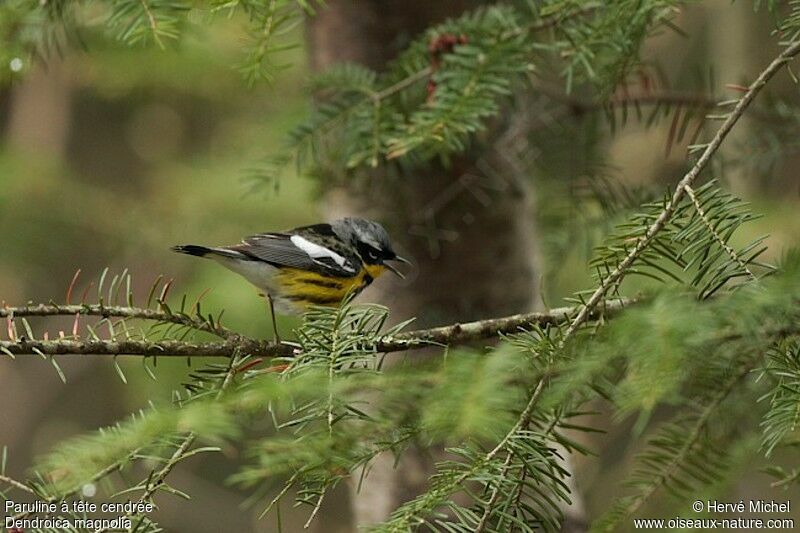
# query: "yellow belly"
305, 288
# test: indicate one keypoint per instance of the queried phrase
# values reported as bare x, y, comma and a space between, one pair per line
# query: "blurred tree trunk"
40, 112
733, 51
37, 129
466, 226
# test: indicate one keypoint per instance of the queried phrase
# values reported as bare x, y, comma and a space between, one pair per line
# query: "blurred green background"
111, 155
108, 157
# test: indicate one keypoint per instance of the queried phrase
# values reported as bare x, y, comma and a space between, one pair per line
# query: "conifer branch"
106, 311
154, 482
523, 422
542, 24
669, 209
707, 222
105, 472
454, 334
157, 477
165, 348
667, 470
555, 20
407, 513
613, 279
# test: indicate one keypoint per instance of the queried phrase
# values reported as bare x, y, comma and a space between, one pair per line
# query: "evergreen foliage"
32, 28
711, 330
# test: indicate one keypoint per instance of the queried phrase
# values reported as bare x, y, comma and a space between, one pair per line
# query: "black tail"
192, 249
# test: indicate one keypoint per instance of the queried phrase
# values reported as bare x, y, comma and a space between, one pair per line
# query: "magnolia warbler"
310, 265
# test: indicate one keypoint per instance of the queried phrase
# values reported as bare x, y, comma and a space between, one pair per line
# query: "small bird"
310, 265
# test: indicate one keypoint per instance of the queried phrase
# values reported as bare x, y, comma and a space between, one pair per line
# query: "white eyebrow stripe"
315, 251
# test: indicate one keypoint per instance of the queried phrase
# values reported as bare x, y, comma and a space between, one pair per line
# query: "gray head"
370, 239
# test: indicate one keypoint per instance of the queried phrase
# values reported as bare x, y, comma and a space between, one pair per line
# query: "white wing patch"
315, 251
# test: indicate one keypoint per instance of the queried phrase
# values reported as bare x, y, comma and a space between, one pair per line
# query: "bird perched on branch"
311, 265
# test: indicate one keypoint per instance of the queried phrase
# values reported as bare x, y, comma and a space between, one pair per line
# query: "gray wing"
295, 251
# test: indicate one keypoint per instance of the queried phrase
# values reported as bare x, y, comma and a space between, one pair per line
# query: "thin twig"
524, 418
156, 480
402, 84
731, 252
98, 476
782, 483
17, 484
152, 22
487, 511
314, 512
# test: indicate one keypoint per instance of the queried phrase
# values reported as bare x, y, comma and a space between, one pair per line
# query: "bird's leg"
276, 337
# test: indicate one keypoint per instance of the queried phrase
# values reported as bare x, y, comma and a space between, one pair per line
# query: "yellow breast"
306, 288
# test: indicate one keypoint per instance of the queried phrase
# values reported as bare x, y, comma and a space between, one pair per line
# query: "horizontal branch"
167, 348
484, 329
454, 334
105, 311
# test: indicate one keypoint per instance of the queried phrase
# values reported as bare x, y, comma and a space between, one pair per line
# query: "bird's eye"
369, 253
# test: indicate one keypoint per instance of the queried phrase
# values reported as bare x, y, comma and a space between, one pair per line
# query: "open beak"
394, 269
